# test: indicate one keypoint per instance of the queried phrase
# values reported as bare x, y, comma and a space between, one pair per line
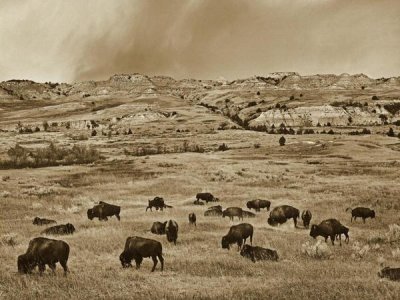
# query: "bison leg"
63, 263
161, 261
251, 239
138, 261
154, 258
363, 220
118, 217
295, 222
42, 268
52, 266
333, 239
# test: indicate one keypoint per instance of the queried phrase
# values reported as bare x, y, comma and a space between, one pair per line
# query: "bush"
359, 251
391, 132
319, 250
291, 97
45, 125
37, 129
223, 147
252, 103
257, 145
94, 132
374, 97
282, 141
331, 132
393, 108
258, 93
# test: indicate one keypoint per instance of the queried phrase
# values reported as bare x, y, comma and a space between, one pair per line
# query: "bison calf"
137, 248
60, 229
171, 230
390, 273
258, 253
306, 217
41, 252
192, 219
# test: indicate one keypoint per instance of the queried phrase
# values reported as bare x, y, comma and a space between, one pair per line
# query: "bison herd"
44, 251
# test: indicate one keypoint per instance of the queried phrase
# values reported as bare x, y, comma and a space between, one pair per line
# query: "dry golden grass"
197, 267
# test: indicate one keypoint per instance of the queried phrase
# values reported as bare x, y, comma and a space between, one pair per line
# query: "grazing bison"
42, 221
171, 230
158, 228
248, 214
238, 234
60, 229
158, 203
213, 213
137, 247
361, 212
257, 204
192, 218
281, 214
104, 210
390, 273
258, 253
330, 228
208, 197
198, 202
41, 252
233, 212
306, 217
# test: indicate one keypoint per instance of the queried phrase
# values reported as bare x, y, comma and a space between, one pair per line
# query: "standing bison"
330, 228
60, 229
158, 228
137, 248
232, 212
104, 210
208, 197
192, 219
390, 273
41, 252
281, 214
306, 217
171, 230
238, 234
158, 203
361, 212
258, 253
42, 221
258, 204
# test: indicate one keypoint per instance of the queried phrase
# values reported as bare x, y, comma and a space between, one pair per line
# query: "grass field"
323, 173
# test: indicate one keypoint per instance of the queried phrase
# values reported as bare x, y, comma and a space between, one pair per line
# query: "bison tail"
349, 208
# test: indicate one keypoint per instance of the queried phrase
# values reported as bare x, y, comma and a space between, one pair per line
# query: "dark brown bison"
41, 252
306, 217
330, 228
361, 212
104, 210
258, 253
171, 230
195, 202
158, 228
208, 197
158, 203
60, 229
257, 204
192, 219
233, 212
390, 273
281, 214
238, 234
248, 214
42, 221
137, 247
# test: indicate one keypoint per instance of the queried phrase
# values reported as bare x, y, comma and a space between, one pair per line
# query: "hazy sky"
77, 40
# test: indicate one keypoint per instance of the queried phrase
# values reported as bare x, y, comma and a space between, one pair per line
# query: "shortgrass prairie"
321, 173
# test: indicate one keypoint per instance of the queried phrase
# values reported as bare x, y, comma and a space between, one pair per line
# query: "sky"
74, 40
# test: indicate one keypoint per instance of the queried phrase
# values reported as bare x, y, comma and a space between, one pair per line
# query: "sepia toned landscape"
66, 147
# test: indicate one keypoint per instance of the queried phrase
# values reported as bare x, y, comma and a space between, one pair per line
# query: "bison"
158, 228
137, 247
281, 214
171, 230
195, 202
238, 234
41, 252
330, 228
257, 204
215, 207
192, 219
232, 212
213, 213
104, 210
208, 197
390, 273
248, 214
158, 203
42, 221
306, 217
361, 212
258, 253
60, 229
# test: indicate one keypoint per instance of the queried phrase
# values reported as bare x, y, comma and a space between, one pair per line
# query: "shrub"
94, 132
68, 125
374, 97
393, 108
257, 145
319, 250
366, 131
252, 103
129, 131
282, 141
391, 132
37, 129
258, 93
223, 147
291, 97
331, 132
359, 251
45, 125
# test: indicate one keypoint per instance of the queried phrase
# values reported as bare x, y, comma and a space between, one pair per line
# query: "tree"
258, 93
45, 125
390, 132
282, 141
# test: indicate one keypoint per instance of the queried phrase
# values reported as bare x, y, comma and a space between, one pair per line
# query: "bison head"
274, 255
225, 243
36, 221
272, 221
372, 214
125, 260
70, 228
25, 264
90, 214
249, 205
314, 231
